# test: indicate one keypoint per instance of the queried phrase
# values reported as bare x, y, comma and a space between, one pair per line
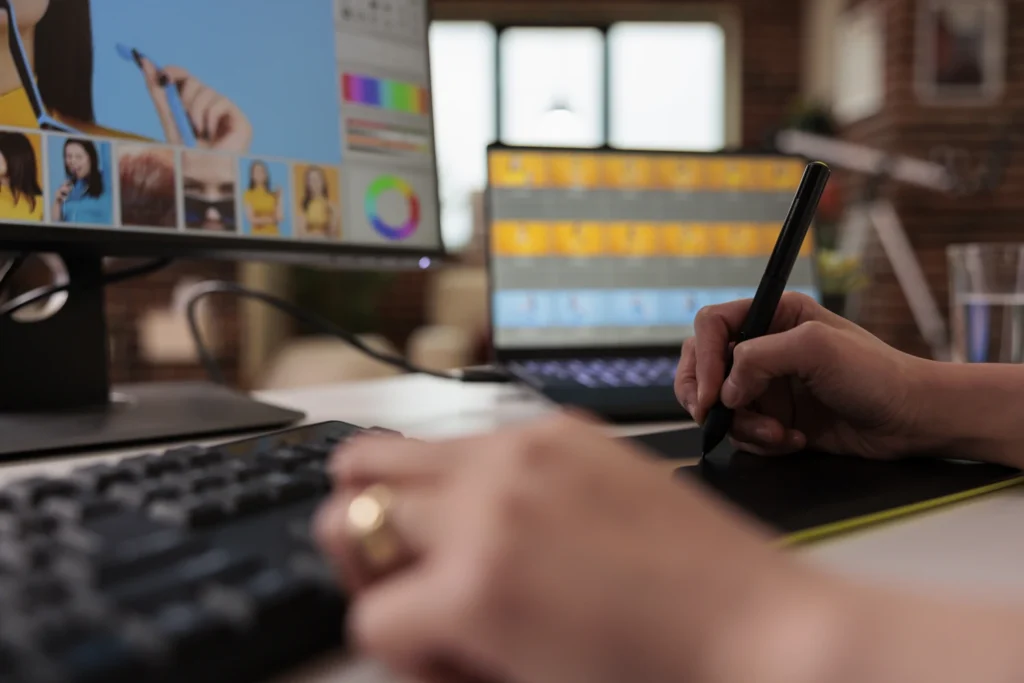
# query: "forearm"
841, 632
975, 411
895, 637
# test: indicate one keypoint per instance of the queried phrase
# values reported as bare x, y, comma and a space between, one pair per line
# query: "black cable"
204, 289
10, 269
42, 293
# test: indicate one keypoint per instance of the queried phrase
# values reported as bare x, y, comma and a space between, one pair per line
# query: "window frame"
567, 14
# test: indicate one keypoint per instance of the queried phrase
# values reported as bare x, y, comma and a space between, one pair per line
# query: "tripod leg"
911, 278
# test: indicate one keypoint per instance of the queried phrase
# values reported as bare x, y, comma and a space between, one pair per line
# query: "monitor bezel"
177, 243
509, 354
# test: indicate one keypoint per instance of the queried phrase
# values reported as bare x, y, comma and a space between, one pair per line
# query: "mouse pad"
809, 496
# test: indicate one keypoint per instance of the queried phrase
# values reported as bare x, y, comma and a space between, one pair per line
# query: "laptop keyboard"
599, 373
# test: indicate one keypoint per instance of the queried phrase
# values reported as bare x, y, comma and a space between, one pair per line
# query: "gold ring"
370, 525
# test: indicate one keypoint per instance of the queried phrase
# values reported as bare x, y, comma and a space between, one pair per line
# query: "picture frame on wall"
859, 63
960, 52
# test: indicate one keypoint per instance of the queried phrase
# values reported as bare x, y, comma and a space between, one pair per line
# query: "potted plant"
839, 274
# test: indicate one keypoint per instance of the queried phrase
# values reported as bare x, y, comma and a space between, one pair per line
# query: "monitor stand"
56, 397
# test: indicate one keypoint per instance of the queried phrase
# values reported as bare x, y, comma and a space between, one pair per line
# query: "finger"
713, 328
217, 120
751, 427
155, 82
198, 109
401, 621
391, 460
686, 380
800, 352
793, 442
413, 522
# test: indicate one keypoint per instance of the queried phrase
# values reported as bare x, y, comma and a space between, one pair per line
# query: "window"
630, 85
462, 66
552, 86
668, 86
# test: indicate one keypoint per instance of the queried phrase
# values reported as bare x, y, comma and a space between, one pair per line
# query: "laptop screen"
596, 248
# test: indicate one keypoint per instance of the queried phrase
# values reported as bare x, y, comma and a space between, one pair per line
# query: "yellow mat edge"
836, 528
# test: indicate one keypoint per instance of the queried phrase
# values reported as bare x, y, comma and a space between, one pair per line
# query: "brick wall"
931, 221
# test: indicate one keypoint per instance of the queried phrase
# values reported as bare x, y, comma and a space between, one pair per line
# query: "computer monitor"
616, 250
240, 129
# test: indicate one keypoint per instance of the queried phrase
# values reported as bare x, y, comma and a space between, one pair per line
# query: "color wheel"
381, 186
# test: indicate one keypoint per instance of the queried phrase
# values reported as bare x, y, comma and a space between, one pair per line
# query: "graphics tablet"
810, 496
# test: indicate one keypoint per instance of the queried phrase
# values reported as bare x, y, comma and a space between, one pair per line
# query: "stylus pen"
181, 119
773, 284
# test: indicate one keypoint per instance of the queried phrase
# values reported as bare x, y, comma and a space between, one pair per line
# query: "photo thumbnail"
81, 181
148, 186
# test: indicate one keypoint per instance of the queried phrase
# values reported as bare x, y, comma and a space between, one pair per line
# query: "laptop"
599, 260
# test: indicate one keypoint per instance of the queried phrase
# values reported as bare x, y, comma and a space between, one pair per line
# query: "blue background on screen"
55, 168
274, 60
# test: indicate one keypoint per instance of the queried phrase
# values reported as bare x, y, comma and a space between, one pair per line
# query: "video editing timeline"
599, 248
130, 146
387, 125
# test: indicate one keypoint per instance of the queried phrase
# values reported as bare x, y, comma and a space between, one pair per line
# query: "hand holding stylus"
212, 119
816, 380
773, 284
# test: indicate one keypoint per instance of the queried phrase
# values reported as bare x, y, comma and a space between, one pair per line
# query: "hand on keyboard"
549, 553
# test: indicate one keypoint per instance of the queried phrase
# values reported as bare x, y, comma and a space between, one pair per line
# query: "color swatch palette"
387, 94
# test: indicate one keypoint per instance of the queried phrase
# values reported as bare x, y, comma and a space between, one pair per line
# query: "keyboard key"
194, 512
200, 482
104, 656
231, 605
185, 580
152, 466
191, 630
288, 459
99, 478
82, 509
41, 592
26, 556
146, 493
32, 492
195, 457
29, 524
289, 488
249, 498
140, 556
241, 471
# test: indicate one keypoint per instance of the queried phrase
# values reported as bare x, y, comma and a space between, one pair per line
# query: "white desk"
975, 548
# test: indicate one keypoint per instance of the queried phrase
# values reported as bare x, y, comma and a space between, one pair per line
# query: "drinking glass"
986, 290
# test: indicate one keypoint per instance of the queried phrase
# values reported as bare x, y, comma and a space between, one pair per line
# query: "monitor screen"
270, 121
613, 248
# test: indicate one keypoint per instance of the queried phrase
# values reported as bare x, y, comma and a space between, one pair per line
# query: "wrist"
797, 631
973, 411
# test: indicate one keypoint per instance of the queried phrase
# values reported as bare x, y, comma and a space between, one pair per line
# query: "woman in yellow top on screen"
318, 218
21, 198
46, 81
262, 202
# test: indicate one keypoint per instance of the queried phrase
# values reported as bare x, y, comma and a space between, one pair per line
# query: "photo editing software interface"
262, 119
604, 248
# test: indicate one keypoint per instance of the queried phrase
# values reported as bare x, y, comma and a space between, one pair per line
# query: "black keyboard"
618, 389
598, 373
192, 565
